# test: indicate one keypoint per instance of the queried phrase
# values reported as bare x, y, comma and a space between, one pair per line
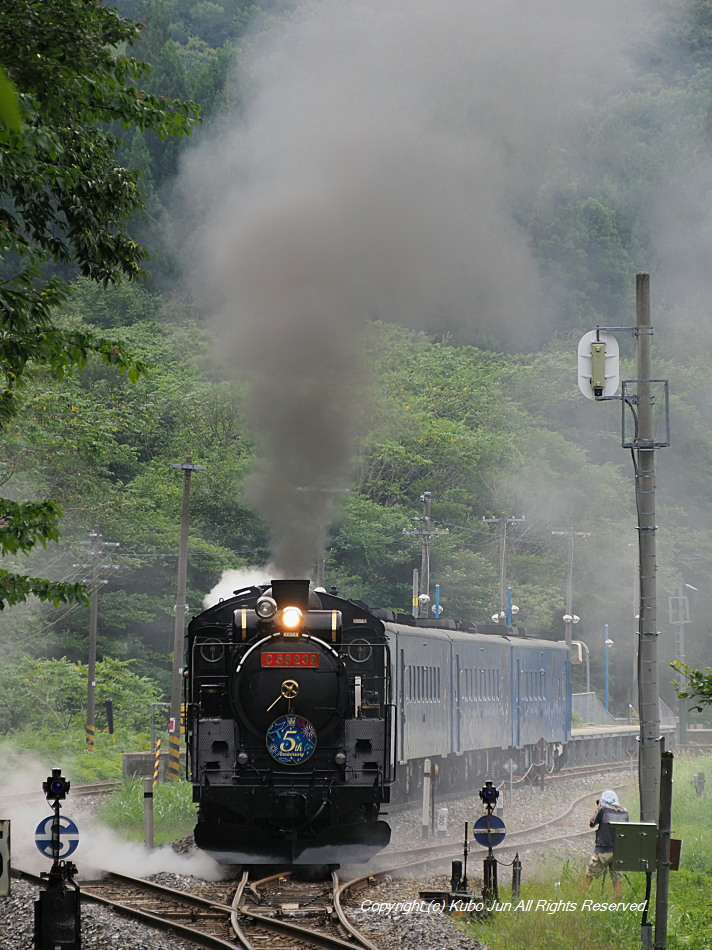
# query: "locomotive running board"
240, 844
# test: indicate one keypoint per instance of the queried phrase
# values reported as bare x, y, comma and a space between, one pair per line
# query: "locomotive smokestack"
292, 593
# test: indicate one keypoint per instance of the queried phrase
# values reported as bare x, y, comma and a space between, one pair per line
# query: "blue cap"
609, 797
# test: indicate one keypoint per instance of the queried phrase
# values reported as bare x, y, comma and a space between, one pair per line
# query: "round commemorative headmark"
291, 740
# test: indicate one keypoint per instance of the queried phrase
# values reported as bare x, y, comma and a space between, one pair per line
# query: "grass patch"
67, 750
173, 811
561, 921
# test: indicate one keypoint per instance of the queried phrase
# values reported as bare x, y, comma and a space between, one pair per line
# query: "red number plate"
290, 659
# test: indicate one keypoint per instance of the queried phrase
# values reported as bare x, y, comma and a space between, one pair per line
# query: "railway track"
274, 913
518, 781
579, 811
288, 914
83, 790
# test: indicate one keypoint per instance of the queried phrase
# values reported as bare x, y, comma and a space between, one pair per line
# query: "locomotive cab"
290, 737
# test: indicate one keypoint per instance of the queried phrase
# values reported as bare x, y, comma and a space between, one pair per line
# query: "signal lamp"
266, 607
340, 758
56, 786
242, 758
489, 795
291, 618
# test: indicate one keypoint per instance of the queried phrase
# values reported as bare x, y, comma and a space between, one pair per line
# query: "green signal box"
634, 848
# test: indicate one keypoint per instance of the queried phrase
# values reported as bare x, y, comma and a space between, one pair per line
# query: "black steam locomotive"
302, 705
291, 728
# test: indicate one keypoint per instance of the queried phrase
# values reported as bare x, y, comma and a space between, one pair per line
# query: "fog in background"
375, 173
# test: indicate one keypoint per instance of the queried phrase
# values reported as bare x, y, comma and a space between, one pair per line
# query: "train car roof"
483, 639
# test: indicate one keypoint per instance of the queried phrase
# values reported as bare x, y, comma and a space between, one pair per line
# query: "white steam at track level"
375, 173
100, 848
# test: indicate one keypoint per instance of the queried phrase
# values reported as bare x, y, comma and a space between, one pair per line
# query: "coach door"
456, 711
516, 704
401, 706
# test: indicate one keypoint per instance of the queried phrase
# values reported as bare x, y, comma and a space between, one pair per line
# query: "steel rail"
304, 935
201, 938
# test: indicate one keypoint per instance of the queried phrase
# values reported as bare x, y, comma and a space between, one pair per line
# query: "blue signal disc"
291, 740
489, 831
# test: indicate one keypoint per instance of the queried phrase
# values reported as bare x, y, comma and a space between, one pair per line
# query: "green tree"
51, 695
9, 111
699, 685
65, 203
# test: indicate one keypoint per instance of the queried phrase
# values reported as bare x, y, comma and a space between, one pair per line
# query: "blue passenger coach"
470, 700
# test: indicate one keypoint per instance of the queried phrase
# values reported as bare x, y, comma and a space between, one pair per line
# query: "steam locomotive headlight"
242, 758
266, 607
340, 759
291, 618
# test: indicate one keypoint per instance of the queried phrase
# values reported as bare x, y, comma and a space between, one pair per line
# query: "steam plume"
376, 173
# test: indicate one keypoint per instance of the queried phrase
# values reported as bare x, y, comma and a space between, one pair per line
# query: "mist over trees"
488, 426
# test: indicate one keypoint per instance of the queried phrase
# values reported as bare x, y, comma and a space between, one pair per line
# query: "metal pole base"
489, 890
57, 912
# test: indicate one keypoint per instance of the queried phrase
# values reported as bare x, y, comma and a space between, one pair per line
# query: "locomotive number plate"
290, 659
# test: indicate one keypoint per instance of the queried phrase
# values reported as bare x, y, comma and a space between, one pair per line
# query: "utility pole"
504, 521
569, 617
598, 379
181, 609
94, 582
648, 687
426, 532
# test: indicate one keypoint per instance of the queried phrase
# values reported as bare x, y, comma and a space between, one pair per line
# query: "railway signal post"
57, 913
489, 832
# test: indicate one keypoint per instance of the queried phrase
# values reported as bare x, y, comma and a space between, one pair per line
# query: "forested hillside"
484, 414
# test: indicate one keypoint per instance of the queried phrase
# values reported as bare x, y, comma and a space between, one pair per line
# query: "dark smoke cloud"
376, 173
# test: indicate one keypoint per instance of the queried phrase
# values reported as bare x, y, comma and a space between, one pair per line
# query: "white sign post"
4, 858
